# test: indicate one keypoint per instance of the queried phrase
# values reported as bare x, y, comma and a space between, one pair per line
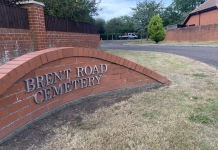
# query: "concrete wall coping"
31, 2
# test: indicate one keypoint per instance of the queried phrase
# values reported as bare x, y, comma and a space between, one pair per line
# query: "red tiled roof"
206, 5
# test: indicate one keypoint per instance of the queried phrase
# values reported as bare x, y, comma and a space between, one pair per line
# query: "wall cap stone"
31, 2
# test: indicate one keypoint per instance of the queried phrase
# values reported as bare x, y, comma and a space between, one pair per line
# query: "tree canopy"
78, 10
143, 13
119, 25
101, 25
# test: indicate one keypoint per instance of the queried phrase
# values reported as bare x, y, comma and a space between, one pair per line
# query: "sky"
117, 8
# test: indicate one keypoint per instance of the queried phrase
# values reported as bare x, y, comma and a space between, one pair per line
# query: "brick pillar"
36, 22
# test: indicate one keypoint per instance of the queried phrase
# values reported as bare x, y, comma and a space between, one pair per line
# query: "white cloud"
116, 8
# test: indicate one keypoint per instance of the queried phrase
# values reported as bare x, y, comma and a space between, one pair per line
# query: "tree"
78, 10
119, 25
170, 16
101, 25
114, 26
156, 30
127, 22
143, 13
186, 6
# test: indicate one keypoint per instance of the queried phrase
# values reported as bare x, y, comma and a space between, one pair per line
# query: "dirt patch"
41, 132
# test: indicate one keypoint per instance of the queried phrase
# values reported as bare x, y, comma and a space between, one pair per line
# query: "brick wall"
63, 39
193, 34
9, 38
12, 39
193, 20
37, 38
18, 106
206, 18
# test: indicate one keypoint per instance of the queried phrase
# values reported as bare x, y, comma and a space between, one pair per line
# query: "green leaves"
155, 29
119, 25
143, 13
78, 10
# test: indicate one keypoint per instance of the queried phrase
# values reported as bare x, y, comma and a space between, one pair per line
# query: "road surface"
208, 55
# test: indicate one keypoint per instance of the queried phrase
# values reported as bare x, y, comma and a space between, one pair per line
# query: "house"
205, 14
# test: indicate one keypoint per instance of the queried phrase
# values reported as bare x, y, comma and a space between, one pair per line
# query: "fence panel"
13, 17
66, 25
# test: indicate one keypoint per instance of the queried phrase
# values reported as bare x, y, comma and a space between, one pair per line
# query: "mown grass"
183, 115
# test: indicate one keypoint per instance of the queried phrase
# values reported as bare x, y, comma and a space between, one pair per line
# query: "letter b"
30, 85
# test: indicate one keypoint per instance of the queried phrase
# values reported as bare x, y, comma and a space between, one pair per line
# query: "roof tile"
206, 5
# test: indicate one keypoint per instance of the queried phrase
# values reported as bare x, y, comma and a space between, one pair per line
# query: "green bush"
156, 30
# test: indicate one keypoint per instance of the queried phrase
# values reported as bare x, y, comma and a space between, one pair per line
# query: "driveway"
208, 55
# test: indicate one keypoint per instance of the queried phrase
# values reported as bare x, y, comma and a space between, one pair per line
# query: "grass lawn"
144, 42
183, 115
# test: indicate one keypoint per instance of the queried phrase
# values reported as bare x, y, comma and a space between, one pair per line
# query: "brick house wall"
206, 18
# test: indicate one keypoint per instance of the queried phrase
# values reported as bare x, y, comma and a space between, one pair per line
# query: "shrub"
156, 30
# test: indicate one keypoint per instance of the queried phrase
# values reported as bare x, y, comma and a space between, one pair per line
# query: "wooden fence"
66, 25
13, 17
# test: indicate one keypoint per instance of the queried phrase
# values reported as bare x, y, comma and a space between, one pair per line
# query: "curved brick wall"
38, 82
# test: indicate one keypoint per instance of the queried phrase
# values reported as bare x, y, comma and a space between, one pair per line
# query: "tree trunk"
147, 34
141, 37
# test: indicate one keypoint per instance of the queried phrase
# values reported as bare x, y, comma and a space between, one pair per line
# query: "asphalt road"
208, 55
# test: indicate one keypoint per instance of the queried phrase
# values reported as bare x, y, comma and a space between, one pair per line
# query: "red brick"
76, 51
104, 56
126, 85
16, 106
138, 68
39, 112
26, 67
120, 71
49, 56
20, 71
125, 75
60, 54
113, 58
69, 60
12, 73
3, 112
5, 131
84, 59
43, 58
119, 81
38, 61
132, 79
117, 61
86, 52
6, 80
7, 101
3, 88
20, 122
121, 61
109, 56
141, 69
28, 109
54, 104
55, 55
91, 53
9, 119
126, 63
113, 77
133, 67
